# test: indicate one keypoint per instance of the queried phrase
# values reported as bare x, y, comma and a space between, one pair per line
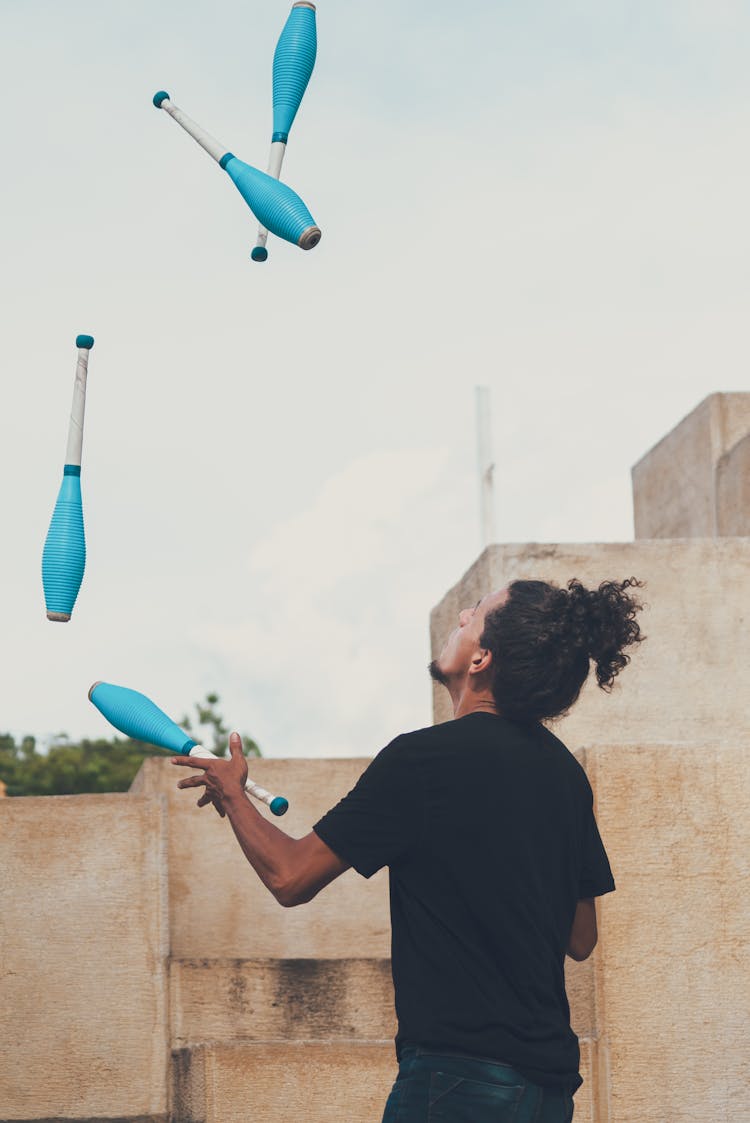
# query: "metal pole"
486, 466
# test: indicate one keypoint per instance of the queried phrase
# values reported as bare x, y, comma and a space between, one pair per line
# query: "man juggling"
486, 823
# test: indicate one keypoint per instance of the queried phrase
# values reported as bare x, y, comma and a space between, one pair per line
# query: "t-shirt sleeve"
596, 876
377, 822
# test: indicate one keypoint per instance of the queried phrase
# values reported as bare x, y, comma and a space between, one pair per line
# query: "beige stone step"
240, 1000
308, 1082
314, 1082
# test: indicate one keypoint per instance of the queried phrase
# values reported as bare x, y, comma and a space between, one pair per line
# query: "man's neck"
468, 702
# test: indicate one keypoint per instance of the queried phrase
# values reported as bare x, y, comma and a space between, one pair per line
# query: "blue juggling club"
274, 204
293, 62
138, 717
64, 555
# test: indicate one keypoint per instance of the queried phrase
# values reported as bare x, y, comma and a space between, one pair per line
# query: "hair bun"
543, 639
602, 622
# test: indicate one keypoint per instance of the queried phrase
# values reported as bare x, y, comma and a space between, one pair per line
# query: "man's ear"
481, 661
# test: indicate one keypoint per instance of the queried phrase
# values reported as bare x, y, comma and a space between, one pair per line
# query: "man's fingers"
207, 798
192, 782
191, 761
209, 772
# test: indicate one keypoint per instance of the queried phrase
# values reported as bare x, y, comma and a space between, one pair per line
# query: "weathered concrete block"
683, 684
733, 490
674, 485
218, 906
310, 1082
239, 1000
83, 931
675, 936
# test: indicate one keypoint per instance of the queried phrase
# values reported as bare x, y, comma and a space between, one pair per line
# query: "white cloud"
348, 530
332, 636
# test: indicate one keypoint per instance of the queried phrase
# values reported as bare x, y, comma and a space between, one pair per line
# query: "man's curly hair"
543, 638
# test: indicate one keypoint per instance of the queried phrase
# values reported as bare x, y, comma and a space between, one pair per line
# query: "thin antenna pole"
486, 466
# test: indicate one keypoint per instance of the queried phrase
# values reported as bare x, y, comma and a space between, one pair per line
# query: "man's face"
463, 642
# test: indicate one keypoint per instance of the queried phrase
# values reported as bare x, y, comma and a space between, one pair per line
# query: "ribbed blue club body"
273, 203
138, 717
293, 62
64, 554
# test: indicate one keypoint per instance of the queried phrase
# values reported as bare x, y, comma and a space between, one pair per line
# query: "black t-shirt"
489, 832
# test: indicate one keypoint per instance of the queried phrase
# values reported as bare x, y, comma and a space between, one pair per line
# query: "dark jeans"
453, 1088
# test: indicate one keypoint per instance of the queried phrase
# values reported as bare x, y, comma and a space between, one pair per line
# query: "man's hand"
223, 779
293, 869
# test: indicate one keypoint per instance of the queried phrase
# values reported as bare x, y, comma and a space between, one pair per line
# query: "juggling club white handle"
208, 143
75, 427
273, 801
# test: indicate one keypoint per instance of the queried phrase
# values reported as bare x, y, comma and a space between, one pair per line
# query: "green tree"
15, 759
74, 767
208, 718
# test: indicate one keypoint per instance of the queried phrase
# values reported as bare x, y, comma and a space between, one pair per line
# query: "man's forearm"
267, 848
293, 869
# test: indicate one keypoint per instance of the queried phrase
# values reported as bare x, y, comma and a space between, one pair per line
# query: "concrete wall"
660, 1007
683, 684
673, 983
733, 490
85, 945
92, 887
83, 933
675, 486
218, 906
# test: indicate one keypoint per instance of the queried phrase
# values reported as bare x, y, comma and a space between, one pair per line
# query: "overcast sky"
279, 462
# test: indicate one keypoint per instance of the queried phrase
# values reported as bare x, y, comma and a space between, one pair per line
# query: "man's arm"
583, 934
293, 869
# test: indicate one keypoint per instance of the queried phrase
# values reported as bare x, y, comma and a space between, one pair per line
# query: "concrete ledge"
237, 1000
733, 491
312, 1083
674, 485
